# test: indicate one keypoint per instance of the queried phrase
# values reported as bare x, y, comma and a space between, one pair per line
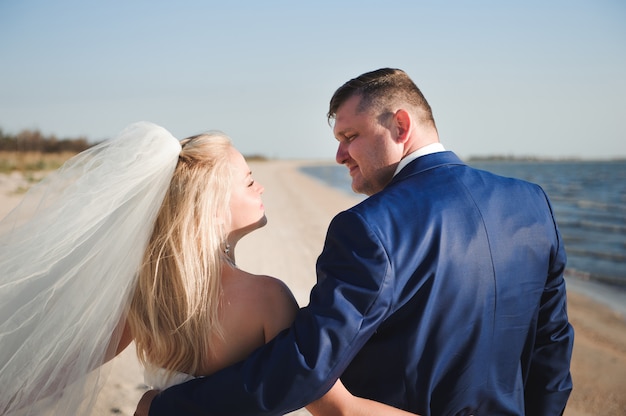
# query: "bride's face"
246, 206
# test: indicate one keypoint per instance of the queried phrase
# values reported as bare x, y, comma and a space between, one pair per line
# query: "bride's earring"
229, 255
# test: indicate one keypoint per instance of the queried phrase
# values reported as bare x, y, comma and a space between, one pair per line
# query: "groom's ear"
402, 125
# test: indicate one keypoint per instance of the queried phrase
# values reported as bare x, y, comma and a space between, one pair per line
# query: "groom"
442, 293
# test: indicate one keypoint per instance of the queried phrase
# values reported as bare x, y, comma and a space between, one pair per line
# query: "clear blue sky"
540, 78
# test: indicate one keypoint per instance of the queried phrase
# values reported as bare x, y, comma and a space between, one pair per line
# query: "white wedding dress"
159, 378
68, 258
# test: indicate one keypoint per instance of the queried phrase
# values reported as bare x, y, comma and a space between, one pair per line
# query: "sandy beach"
299, 209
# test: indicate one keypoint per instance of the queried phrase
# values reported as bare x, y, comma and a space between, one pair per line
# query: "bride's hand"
143, 407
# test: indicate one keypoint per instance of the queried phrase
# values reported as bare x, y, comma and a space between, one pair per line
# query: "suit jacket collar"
427, 162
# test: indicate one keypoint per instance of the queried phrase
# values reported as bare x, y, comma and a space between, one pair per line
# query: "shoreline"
612, 298
299, 209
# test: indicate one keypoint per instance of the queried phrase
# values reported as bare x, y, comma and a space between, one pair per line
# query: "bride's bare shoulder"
250, 286
262, 297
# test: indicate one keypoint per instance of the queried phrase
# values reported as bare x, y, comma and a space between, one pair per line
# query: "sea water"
589, 202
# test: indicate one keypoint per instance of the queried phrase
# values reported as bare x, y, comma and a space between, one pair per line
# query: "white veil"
68, 257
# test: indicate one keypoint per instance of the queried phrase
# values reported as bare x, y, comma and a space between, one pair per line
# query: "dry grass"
28, 162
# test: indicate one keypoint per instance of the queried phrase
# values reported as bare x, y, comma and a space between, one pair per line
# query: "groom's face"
366, 147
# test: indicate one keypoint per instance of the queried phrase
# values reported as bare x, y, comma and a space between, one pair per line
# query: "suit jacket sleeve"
548, 382
351, 298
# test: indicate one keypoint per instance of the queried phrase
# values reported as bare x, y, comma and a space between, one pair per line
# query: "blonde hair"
174, 315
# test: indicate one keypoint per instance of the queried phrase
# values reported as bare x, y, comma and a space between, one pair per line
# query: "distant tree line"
35, 141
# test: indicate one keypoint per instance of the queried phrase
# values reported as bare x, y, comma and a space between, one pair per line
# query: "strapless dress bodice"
159, 378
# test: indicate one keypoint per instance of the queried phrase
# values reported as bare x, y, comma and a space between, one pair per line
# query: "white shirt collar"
422, 151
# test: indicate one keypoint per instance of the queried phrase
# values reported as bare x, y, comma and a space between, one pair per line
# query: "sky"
533, 78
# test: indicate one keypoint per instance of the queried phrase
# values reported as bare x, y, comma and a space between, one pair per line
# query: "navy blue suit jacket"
443, 294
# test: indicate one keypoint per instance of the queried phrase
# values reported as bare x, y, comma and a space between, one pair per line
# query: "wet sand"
299, 209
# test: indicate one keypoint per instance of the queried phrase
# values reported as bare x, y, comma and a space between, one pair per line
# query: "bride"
134, 239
